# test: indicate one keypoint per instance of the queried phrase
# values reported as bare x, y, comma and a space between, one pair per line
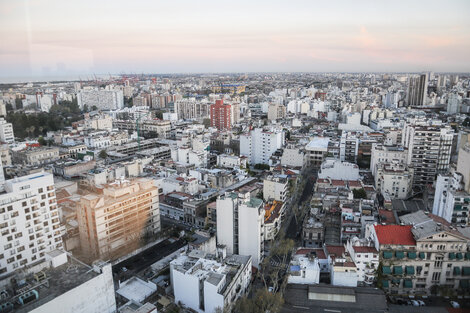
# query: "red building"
221, 115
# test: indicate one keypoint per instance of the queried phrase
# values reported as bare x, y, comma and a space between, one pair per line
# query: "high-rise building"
463, 165
451, 202
113, 220
221, 115
191, 109
6, 131
417, 90
429, 151
29, 221
259, 145
101, 99
454, 103
240, 225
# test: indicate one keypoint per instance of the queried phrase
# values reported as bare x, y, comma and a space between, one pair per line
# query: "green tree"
359, 193
466, 122
103, 154
159, 114
42, 141
260, 166
206, 122
263, 301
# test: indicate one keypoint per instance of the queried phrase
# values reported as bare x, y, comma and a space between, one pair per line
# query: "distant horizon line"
79, 77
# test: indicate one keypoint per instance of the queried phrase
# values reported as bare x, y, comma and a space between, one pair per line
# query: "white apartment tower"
259, 145
451, 202
29, 221
240, 225
6, 131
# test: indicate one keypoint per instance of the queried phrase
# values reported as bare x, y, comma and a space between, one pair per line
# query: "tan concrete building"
114, 219
35, 156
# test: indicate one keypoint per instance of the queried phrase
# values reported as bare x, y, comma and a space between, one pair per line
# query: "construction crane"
137, 127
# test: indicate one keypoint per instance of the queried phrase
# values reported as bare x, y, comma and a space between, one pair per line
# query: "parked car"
414, 303
401, 301
421, 302
455, 304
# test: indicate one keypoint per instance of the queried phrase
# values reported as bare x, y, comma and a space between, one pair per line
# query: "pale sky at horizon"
70, 37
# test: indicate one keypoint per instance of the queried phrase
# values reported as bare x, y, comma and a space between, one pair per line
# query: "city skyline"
79, 38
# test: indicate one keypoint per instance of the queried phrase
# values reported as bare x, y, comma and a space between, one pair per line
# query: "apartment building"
316, 151
426, 255
221, 115
429, 151
189, 108
394, 179
276, 111
366, 258
240, 225
35, 156
6, 131
259, 145
293, 157
113, 219
386, 154
29, 221
275, 188
451, 201
463, 165
101, 99
98, 122
205, 284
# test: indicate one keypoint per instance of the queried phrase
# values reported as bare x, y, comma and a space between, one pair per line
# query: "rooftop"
318, 142
395, 235
61, 279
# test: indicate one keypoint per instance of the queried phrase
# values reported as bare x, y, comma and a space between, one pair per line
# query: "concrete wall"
96, 295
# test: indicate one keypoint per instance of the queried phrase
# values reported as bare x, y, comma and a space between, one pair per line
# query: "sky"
70, 37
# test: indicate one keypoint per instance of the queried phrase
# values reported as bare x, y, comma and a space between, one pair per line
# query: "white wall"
225, 227
94, 296
250, 226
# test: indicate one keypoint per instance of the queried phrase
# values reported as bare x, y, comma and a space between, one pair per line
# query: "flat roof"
319, 142
370, 300
136, 289
61, 279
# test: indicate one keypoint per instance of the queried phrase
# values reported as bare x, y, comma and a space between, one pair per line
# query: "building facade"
113, 220
29, 221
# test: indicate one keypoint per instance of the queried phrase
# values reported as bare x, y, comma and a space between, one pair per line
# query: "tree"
159, 114
359, 193
261, 166
466, 122
206, 122
263, 301
42, 141
103, 154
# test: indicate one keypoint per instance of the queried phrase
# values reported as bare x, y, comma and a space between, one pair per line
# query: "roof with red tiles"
336, 251
319, 252
336, 182
354, 183
395, 235
365, 250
